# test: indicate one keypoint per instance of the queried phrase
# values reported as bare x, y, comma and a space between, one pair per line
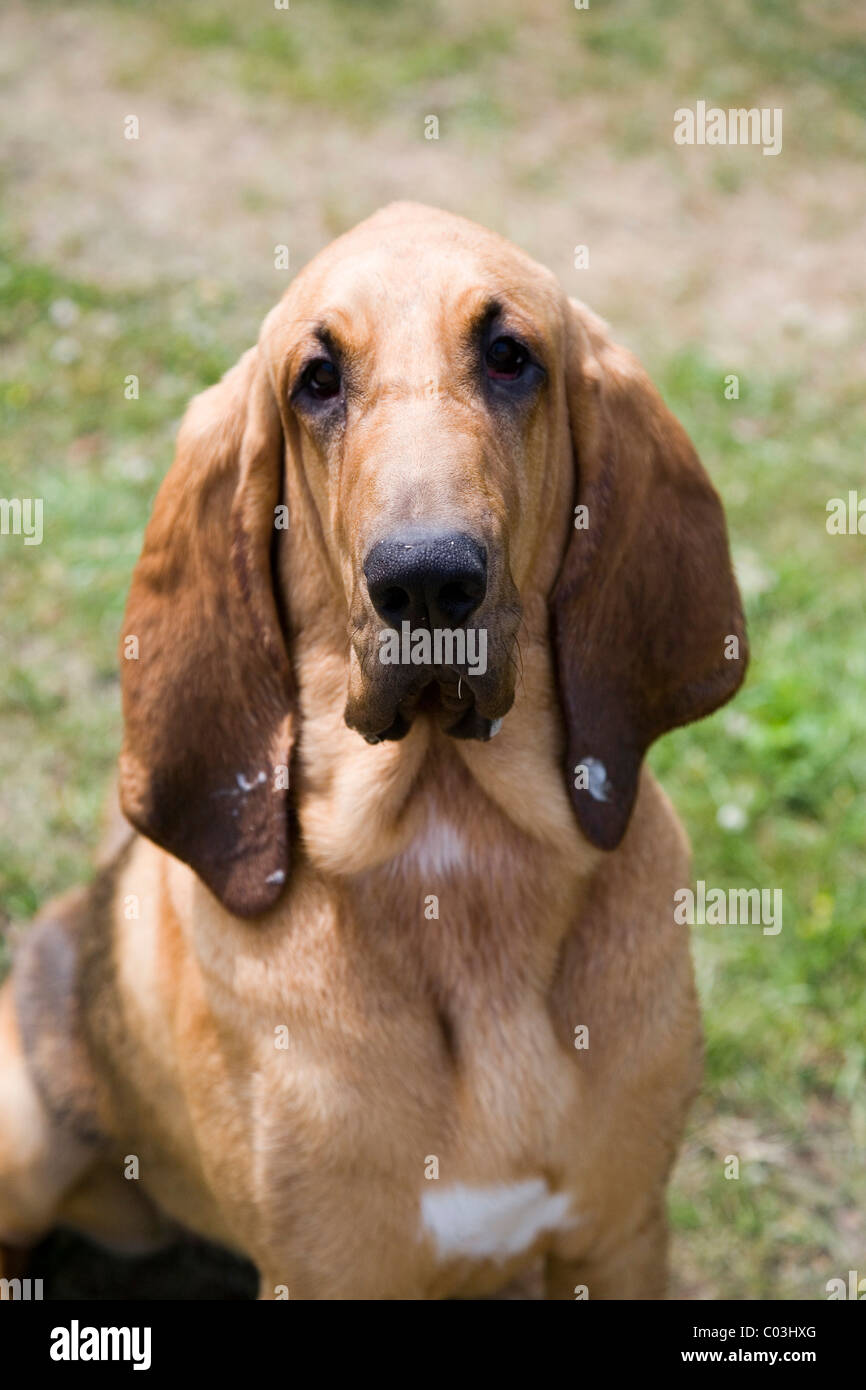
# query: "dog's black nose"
436, 578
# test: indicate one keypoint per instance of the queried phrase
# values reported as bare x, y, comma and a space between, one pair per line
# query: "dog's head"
459, 441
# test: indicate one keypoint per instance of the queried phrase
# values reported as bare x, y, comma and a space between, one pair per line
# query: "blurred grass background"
156, 257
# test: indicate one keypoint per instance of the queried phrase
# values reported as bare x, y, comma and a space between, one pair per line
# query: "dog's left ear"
647, 622
208, 690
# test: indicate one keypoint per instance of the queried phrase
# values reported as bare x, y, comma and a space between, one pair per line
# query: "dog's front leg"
631, 1267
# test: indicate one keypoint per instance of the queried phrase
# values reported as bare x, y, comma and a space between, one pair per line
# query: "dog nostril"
393, 602
457, 600
454, 593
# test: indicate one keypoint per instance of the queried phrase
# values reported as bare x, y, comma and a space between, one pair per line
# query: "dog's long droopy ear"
647, 622
207, 687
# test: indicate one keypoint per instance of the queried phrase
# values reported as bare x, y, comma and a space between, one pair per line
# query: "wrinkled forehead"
396, 289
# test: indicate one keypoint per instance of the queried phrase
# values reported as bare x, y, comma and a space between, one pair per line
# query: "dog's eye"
505, 359
321, 379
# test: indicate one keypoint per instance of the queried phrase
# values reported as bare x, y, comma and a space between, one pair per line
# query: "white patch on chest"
492, 1222
440, 849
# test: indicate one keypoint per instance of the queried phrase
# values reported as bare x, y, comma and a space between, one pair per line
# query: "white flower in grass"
66, 350
731, 817
64, 312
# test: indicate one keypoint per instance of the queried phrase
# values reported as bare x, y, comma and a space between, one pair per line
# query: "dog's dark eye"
321, 379
505, 359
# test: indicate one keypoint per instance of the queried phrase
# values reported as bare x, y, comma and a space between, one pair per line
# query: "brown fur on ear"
646, 598
208, 703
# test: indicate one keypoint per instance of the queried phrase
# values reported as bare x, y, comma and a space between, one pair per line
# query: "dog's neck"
363, 806
456, 859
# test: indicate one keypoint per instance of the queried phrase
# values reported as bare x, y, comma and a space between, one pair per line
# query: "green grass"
357, 58
784, 1015
369, 60
756, 44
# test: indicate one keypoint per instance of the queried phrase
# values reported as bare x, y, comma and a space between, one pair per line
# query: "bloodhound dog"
385, 991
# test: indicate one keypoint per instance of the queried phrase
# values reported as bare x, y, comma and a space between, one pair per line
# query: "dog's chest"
433, 1111
454, 1161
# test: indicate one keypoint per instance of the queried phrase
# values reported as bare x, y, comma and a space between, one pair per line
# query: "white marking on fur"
246, 786
599, 786
439, 849
492, 1222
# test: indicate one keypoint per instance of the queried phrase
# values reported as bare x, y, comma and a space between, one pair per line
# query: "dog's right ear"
208, 692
